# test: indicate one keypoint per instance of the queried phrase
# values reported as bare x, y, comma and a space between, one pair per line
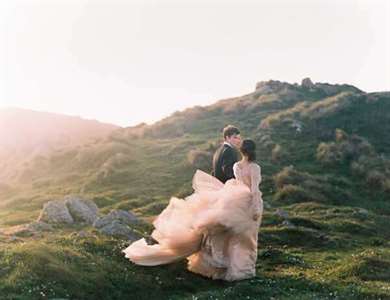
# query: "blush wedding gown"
215, 228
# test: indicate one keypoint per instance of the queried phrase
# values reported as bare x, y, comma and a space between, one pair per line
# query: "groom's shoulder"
228, 149
222, 148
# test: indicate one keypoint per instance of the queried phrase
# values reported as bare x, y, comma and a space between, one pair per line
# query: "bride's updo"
248, 149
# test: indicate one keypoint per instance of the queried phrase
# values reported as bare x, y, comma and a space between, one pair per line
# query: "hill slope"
26, 133
325, 155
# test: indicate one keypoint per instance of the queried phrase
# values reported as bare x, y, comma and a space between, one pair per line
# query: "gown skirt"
213, 229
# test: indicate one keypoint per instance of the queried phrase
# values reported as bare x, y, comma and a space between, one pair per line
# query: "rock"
116, 228
307, 83
288, 224
123, 216
82, 210
117, 223
363, 211
271, 86
55, 212
297, 125
69, 210
281, 213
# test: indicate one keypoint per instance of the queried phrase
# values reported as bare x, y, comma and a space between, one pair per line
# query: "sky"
127, 62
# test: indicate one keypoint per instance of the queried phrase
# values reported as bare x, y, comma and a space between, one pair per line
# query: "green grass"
319, 258
333, 244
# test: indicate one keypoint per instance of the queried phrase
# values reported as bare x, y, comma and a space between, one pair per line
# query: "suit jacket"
223, 161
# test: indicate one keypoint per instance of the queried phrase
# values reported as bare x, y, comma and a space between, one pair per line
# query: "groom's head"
231, 134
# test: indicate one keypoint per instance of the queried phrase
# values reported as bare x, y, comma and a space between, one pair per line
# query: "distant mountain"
28, 129
25, 133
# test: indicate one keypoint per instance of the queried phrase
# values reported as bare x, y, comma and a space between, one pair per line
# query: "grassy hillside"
325, 157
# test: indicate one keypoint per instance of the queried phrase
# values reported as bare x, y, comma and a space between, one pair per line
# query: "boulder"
82, 210
70, 210
117, 223
55, 212
117, 228
288, 224
120, 215
307, 83
271, 86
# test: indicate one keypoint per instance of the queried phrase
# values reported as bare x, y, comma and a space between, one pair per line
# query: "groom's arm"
229, 159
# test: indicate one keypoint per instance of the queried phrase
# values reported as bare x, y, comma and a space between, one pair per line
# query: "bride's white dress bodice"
250, 175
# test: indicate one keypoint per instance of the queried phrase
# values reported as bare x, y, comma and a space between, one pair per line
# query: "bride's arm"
256, 194
236, 171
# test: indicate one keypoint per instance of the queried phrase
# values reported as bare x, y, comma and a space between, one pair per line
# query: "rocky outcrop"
117, 223
271, 86
120, 215
116, 228
276, 86
82, 210
328, 89
307, 83
75, 210
55, 212
71, 209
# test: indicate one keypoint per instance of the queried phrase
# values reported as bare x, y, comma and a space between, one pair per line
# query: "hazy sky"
125, 62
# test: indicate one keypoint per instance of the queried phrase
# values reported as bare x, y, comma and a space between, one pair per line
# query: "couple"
215, 228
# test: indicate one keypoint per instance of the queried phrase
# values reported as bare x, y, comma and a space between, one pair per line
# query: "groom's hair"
230, 130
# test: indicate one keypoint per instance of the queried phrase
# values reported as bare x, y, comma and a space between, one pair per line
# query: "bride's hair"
248, 149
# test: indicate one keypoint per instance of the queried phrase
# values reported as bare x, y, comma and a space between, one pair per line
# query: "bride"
215, 228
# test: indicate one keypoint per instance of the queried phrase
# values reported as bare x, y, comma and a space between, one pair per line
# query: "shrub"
375, 179
291, 194
329, 153
289, 176
341, 135
346, 148
295, 186
277, 153
364, 161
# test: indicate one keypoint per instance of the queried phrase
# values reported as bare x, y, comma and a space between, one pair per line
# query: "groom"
224, 159
226, 155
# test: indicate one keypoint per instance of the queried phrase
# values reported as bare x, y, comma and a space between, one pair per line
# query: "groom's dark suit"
223, 161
